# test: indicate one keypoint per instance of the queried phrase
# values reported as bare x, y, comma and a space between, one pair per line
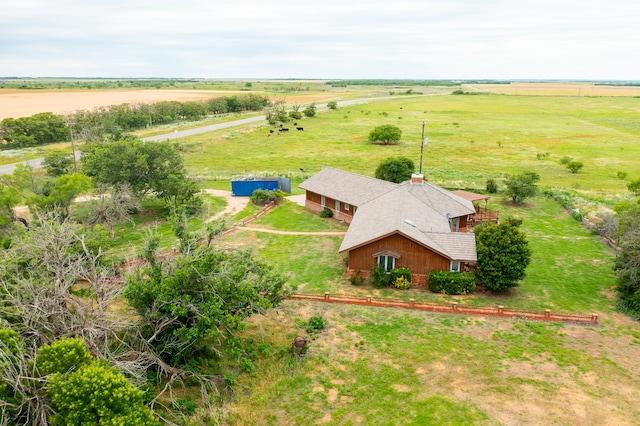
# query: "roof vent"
410, 222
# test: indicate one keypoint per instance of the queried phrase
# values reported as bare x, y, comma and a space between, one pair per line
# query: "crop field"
556, 89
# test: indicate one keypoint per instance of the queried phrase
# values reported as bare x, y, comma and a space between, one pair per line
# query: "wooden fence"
452, 308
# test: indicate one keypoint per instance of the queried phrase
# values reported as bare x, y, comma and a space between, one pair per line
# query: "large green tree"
521, 186
386, 134
395, 169
503, 255
146, 167
627, 265
200, 296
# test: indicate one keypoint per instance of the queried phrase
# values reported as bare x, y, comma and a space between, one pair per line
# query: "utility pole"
423, 142
73, 146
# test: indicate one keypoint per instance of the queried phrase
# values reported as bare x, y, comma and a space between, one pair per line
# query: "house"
342, 192
415, 224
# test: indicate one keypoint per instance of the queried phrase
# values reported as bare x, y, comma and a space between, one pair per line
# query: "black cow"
299, 128
271, 131
284, 129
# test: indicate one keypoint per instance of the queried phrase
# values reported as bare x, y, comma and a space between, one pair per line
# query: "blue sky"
457, 39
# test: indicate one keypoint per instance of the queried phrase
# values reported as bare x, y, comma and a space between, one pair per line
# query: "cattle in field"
299, 128
271, 131
284, 129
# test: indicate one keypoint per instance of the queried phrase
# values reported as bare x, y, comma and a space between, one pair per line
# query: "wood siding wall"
420, 260
314, 203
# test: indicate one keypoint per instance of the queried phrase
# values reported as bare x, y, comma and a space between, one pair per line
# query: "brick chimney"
416, 179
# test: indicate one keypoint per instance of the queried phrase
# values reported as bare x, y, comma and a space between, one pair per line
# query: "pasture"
389, 366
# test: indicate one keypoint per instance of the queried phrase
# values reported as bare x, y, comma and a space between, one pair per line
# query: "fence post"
547, 313
412, 302
594, 318
454, 306
501, 309
368, 300
326, 295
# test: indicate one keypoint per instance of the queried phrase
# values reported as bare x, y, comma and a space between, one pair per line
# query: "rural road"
37, 162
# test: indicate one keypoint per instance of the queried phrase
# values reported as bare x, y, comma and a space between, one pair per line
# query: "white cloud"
329, 39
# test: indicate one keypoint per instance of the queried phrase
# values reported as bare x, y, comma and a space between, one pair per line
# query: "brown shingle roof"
404, 210
346, 186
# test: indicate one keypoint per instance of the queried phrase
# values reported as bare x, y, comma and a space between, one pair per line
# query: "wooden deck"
483, 215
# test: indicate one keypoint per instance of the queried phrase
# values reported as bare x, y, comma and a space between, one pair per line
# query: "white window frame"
346, 207
323, 201
337, 205
455, 266
384, 259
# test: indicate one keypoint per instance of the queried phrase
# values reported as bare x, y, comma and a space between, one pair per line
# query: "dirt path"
234, 204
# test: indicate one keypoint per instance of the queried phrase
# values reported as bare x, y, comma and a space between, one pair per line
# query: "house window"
346, 207
337, 205
323, 201
389, 262
454, 266
454, 224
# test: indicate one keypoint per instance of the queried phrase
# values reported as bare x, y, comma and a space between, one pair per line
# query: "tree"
395, 169
627, 264
574, 166
521, 186
295, 112
112, 207
634, 187
386, 133
332, 105
203, 295
87, 391
145, 167
310, 111
58, 164
62, 192
503, 255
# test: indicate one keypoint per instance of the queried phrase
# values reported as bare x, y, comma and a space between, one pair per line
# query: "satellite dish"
410, 222
448, 216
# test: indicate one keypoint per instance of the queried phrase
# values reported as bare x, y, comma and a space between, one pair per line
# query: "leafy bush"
356, 279
452, 282
314, 324
565, 160
62, 356
262, 197
326, 212
401, 283
622, 175
332, 105
379, 277
395, 169
492, 186
574, 166
400, 273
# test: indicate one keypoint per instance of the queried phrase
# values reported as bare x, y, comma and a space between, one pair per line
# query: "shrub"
622, 175
326, 212
452, 282
379, 277
401, 283
400, 273
492, 186
62, 356
332, 105
565, 160
356, 279
262, 197
574, 166
386, 134
314, 324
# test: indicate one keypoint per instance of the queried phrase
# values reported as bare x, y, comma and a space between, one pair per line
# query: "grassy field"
386, 366
471, 138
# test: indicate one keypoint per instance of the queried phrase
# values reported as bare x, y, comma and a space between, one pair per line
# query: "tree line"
115, 120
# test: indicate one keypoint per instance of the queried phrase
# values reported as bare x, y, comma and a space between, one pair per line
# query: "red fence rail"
453, 308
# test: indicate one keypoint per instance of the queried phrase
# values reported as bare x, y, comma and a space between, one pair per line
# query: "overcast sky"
326, 39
